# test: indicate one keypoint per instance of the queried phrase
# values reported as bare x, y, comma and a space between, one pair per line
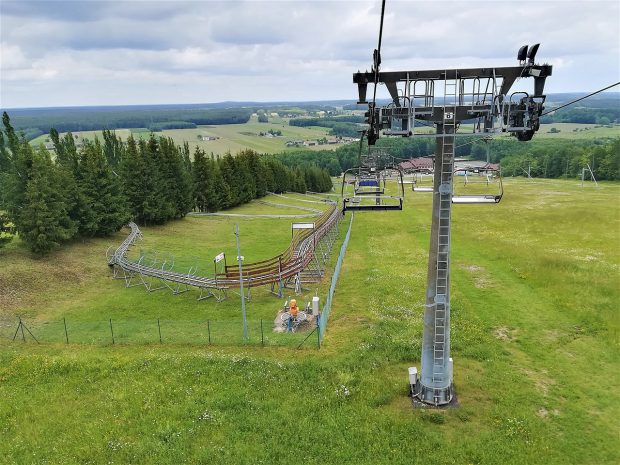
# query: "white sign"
219, 257
303, 225
240, 257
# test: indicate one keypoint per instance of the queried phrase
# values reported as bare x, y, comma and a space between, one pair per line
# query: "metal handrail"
289, 263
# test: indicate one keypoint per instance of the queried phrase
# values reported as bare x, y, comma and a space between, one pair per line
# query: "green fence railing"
332, 287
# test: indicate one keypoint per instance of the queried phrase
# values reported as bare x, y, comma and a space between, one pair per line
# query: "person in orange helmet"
293, 311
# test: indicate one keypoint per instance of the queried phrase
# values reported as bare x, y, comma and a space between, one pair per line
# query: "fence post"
262, 335
209, 330
64, 320
318, 333
111, 330
159, 330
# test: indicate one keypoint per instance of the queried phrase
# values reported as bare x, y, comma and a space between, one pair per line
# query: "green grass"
535, 324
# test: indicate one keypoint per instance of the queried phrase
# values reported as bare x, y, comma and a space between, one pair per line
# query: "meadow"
230, 137
535, 299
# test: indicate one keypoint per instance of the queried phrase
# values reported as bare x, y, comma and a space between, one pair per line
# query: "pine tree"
12, 140
66, 151
6, 161
299, 182
257, 172
220, 196
139, 184
43, 222
67, 163
230, 175
174, 178
201, 178
112, 148
105, 210
247, 183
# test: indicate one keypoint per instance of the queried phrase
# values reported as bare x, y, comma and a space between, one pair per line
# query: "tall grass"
535, 322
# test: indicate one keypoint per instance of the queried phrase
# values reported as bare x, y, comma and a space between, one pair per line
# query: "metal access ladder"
442, 280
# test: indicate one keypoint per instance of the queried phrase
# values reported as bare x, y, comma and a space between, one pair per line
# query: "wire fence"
229, 332
157, 331
332, 287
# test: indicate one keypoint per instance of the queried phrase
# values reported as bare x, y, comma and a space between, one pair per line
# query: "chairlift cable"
377, 57
581, 98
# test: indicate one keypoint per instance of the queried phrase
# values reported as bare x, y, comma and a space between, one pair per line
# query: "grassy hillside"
534, 339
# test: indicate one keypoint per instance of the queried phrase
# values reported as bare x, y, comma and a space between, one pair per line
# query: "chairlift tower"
447, 98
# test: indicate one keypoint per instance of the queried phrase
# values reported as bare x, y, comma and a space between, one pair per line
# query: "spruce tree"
43, 221
67, 163
12, 140
257, 172
105, 210
247, 183
112, 148
156, 207
200, 177
219, 195
139, 184
230, 175
174, 178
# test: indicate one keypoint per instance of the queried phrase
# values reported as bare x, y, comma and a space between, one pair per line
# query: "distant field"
232, 137
236, 137
577, 131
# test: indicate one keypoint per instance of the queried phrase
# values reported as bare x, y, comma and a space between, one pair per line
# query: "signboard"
219, 257
240, 257
303, 225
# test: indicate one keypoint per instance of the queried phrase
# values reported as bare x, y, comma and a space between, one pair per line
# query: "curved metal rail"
279, 270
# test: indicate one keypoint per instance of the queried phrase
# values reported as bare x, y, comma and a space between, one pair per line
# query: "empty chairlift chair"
422, 182
482, 185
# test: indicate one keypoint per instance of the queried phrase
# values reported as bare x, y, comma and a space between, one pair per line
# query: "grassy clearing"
534, 329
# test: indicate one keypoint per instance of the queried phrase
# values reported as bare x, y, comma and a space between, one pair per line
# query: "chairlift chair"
375, 199
485, 186
369, 184
422, 182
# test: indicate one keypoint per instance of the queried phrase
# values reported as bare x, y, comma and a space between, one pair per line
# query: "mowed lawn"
535, 299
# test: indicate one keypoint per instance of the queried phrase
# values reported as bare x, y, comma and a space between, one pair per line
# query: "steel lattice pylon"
481, 96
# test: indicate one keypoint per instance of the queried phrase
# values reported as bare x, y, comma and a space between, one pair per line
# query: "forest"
557, 158
97, 188
35, 122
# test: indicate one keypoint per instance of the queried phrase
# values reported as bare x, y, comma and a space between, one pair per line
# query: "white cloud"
163, 51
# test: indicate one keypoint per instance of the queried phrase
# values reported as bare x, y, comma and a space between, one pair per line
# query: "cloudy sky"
92, 52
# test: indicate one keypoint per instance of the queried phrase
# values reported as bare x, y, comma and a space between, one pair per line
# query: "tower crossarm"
481, 96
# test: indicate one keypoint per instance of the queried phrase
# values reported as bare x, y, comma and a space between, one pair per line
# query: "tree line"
95, 189
550, 158
343, 126
35, 123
